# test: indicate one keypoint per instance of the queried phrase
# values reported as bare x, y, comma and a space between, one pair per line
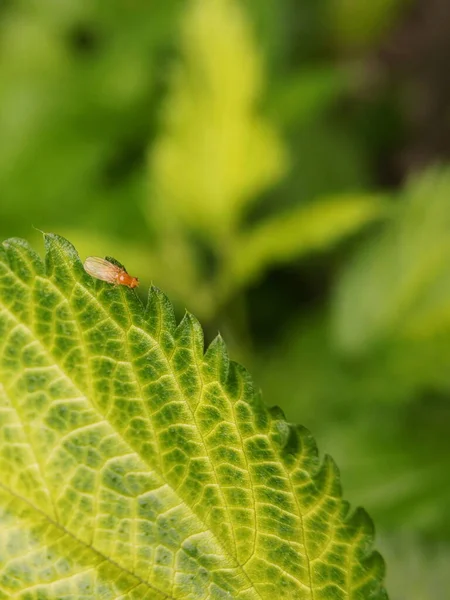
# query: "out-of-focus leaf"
399, 285
418, 570
358, 24
268, 23
327, 159
304, 96
351, 404
76, 81
305, 229
215, 154
404, 481
392, 374
136, 465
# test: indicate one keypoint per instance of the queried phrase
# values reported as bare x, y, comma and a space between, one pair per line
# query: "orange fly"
101, 268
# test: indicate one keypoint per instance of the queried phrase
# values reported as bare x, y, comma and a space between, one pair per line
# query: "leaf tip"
190, 332
159, 312
216, 358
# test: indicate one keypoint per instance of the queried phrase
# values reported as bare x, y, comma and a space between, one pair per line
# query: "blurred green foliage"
357, 24
240, 153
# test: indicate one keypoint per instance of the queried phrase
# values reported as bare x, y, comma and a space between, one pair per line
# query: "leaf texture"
134, 465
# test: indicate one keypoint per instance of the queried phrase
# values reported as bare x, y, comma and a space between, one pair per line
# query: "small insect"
100, 268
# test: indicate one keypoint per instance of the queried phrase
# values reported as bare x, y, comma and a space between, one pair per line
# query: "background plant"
275, 174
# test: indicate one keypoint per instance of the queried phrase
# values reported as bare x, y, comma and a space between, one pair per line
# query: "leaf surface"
135, 465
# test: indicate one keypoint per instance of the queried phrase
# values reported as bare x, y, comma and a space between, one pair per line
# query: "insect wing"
101, 269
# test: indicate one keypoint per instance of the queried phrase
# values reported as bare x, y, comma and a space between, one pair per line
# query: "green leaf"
377, 418
135, 465
316, 226
216, 153
303, 97
398, 286
357, 24
82, 78
419, 570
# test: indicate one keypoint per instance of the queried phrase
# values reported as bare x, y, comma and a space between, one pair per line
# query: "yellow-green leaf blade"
305, 229
134, 465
